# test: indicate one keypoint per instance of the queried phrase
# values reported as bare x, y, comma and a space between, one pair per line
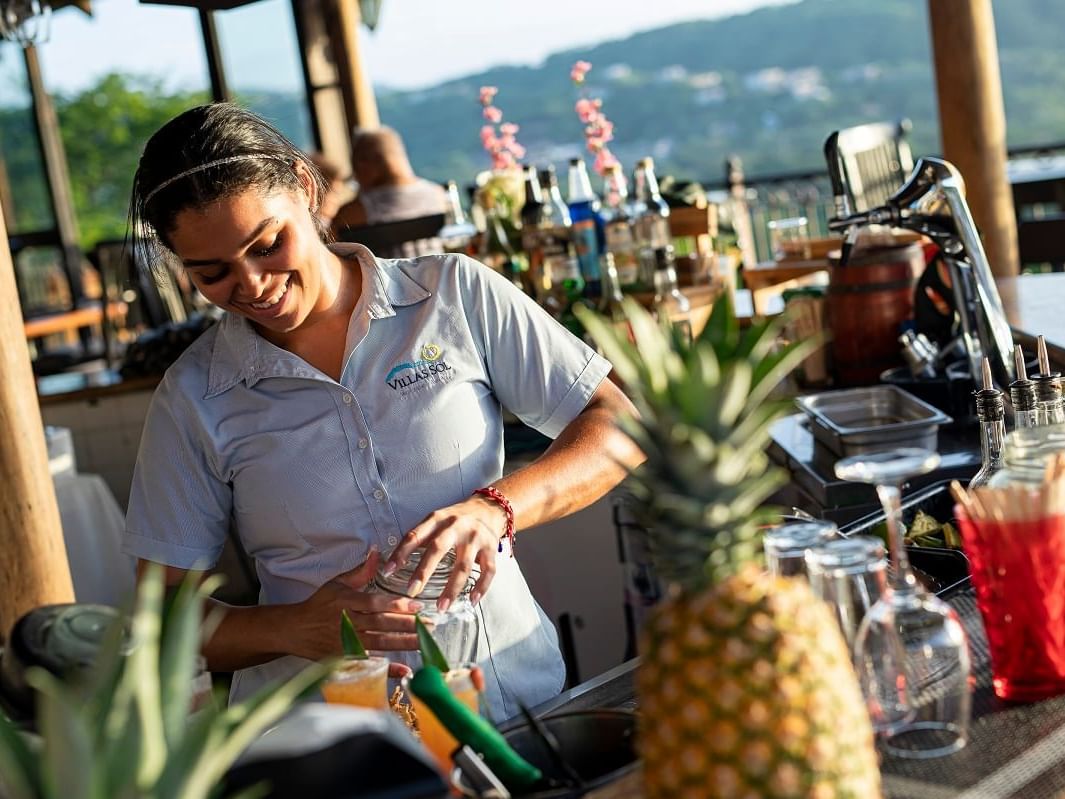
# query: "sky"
418, 43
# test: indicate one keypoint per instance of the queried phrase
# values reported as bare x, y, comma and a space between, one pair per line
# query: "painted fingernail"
475, 597
415, 587
389, 569
443, 604
415, 606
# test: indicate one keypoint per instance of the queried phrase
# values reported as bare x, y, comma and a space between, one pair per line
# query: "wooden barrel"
868, 300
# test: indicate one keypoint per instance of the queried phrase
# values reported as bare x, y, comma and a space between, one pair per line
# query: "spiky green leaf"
349, 638
430, 651
20, 775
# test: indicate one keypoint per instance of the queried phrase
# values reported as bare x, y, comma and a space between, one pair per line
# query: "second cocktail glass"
910, 651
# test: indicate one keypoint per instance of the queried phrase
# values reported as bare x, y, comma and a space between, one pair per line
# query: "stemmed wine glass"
910, 650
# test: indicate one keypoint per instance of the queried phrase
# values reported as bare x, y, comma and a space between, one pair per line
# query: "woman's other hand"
472, 528
384, 622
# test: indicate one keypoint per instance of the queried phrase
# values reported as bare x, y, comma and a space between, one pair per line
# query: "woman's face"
258, 255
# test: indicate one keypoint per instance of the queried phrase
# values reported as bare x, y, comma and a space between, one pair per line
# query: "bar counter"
1014, 750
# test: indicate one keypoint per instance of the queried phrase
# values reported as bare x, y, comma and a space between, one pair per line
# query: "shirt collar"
241, 354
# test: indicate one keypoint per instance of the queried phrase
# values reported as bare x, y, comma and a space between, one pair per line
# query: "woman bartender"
347, 406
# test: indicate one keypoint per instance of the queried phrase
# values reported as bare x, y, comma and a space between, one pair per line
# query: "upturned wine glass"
910, 650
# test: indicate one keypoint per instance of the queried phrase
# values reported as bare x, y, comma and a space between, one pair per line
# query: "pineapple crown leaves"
349, 638
705, 412
126, 730
429, 649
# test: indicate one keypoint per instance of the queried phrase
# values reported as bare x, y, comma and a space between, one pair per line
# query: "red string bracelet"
497, 497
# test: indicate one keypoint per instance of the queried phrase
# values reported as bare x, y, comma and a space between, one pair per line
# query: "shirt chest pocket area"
429, 444
294, 491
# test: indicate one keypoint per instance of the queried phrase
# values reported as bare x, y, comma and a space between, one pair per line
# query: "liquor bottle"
587, 225
531, 241
610, 296
1022, 394
669, 302
617, 228
1048, 400
991, 411
458, 231
651, 220
561, 277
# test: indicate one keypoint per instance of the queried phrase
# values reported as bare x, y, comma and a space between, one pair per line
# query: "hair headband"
217, 162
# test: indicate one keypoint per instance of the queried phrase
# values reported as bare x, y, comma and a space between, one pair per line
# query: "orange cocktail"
434, 735
359, 682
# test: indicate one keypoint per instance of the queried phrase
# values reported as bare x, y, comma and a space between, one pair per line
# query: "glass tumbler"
786, 544
789, 238
455, 630
850, 574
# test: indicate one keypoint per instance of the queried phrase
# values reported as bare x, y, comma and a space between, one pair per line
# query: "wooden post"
972, 118
359, 100
33, 558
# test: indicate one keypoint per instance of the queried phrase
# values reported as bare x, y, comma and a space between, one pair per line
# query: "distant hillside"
768, 85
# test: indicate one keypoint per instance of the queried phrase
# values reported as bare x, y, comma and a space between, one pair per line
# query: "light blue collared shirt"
313, 471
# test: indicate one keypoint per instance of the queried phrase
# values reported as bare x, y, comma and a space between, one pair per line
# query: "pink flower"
598, 130
503, 149
585, 109
580, 69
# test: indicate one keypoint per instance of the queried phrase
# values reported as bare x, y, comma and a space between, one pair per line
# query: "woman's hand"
384, 622
472, 528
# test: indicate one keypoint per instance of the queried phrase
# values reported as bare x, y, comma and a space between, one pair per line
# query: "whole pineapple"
746, 687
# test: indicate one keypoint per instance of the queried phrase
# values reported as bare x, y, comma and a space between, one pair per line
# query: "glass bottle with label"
587, 225
670, 303
531, 222
651, 219
454, 630
618, 232
562, 281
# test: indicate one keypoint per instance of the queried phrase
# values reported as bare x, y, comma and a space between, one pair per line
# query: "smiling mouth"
274, 300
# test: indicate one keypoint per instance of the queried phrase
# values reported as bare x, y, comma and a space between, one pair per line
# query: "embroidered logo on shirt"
430, 369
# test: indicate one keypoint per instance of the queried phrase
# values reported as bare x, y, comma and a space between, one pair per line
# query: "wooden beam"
972, 119
359, 100
33, 558
325, 95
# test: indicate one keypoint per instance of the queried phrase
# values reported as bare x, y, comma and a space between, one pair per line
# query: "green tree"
104, 129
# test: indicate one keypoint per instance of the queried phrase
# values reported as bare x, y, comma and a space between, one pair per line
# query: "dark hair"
262, 158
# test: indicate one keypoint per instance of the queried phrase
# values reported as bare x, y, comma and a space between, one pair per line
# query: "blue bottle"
587, 226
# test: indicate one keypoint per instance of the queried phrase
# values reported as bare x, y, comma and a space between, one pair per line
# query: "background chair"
398, 239
867, 164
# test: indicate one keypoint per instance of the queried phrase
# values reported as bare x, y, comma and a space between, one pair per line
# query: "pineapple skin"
746, 691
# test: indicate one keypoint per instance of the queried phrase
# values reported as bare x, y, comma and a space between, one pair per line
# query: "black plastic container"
942, 571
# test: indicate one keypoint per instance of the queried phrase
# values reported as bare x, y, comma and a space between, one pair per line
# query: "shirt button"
347, 399
363, 443
392, 540
379, 494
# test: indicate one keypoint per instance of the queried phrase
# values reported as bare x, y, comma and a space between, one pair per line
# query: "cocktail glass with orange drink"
466, 683
359, 681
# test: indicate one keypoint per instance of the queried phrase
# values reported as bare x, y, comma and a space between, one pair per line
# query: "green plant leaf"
142, 672
247, 721
177, 657
431, 654
349, 638
20, 770
69, 764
